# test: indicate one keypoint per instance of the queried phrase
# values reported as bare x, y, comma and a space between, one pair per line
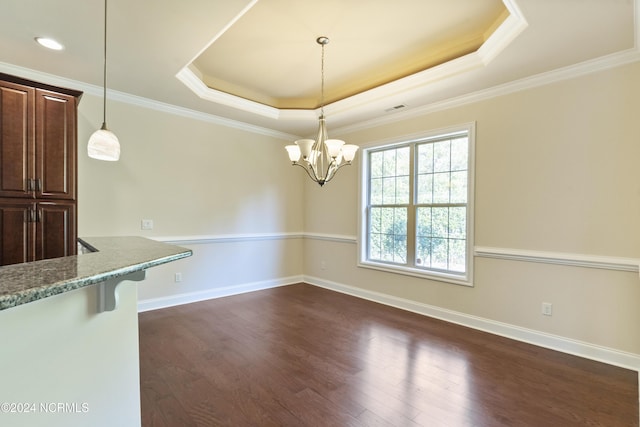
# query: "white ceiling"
152, 41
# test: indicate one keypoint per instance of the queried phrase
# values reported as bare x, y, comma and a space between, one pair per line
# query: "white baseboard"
553, 342
187, 298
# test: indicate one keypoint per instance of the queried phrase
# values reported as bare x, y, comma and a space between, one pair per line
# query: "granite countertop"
113, 257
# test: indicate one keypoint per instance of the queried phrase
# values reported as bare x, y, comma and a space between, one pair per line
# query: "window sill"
463, 280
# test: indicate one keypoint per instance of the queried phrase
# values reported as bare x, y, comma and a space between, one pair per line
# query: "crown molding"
573, 71
139, 101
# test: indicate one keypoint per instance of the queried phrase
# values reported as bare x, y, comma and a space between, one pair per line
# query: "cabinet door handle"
39, 184
39, 215
30, 184
32, 215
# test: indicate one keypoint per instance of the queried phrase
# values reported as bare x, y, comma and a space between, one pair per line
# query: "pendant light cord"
104, 72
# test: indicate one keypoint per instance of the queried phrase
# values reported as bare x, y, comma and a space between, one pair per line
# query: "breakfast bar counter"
69, 334
103, 259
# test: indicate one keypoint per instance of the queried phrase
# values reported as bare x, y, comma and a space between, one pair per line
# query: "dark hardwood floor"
305, 356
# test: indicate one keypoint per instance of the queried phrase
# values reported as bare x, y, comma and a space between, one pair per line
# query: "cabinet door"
56, 151
16, 231
17, 143
55, 230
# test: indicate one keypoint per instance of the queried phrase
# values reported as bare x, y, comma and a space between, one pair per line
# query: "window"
417, 214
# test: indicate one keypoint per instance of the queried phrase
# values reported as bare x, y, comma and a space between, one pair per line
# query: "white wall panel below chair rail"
221, 266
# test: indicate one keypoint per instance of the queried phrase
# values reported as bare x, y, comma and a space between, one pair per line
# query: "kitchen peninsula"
69, 334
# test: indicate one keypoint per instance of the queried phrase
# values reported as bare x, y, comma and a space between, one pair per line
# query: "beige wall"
191, 177
200, 182
556, 170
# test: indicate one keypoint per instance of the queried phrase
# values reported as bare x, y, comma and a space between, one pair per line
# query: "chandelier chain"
322, 82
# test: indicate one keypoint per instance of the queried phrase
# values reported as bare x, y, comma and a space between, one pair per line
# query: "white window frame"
465, 278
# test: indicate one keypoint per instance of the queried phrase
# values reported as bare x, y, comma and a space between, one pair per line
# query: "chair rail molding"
560, 258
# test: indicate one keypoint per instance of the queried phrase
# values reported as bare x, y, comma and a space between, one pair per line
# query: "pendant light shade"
103, 144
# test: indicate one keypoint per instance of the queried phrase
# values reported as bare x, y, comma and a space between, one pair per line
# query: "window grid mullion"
411, 210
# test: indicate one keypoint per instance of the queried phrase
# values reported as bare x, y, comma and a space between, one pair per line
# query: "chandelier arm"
337, 168
331, 170
313, 177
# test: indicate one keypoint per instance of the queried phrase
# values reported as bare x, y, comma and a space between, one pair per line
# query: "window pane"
458, 223
376, 191
425, 158
386, 220
459, 187
388, 191
402, 190
441, 187
423, 222
441, 156
400, 249
375, 246
439, 253
400, 222
459, 154
423, 252
425, 189
389, 163
457, 255
376, 164
403, 161
440, 222
375, 221
387, 252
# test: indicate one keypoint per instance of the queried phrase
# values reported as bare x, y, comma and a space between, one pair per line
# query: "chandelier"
322, 157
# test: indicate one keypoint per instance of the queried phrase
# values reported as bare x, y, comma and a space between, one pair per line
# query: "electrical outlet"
146, 224
323, 265
178, 277
547, 308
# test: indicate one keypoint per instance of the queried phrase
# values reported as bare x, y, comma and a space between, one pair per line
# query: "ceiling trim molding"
197, 86
573, 71
506, 32
140, 101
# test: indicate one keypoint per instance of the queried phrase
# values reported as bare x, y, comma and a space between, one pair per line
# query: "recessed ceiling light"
49, 43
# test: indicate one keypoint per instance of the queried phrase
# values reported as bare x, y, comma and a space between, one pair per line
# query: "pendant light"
103, 144
321, 158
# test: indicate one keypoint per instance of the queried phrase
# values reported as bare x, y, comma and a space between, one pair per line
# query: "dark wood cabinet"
17, 230
38, 170
36, 230
17, 140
